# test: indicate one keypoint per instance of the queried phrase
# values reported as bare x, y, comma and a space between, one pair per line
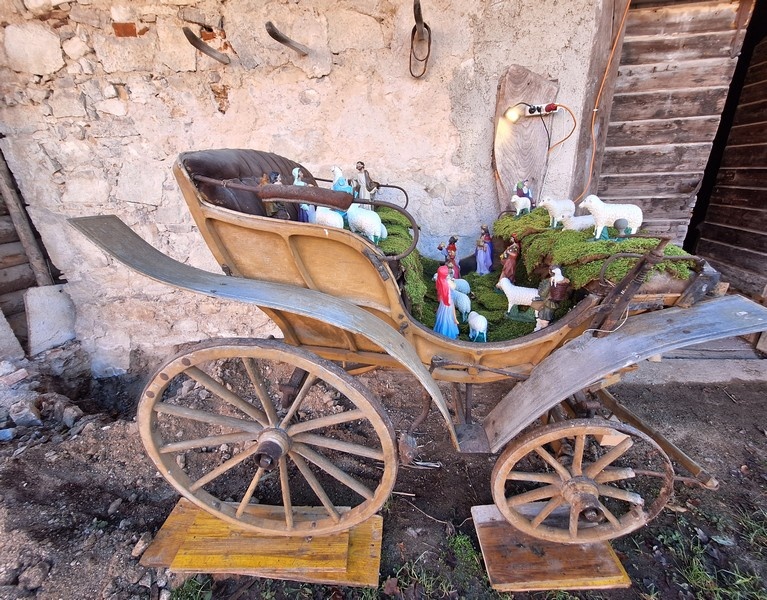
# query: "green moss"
533, 222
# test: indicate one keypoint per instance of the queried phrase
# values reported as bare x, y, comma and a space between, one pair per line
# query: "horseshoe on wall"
277, 35
421, 33
203, 47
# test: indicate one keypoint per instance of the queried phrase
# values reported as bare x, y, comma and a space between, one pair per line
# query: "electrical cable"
575, 124
599, 97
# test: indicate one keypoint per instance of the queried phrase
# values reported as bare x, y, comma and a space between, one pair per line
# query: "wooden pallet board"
516, 562
194, 541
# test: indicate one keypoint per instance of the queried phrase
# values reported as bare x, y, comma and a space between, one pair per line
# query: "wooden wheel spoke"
308, 383
609, 475
608, 458
550, 507
226, 395
614, 521
287, 503
564, 474
575, 513
619, 494
577, 466
533, 477
341, 446
203, 416
541, 493
249, 492
316, 486
223, 468
263, 395
211, 440
328, 421
332, 470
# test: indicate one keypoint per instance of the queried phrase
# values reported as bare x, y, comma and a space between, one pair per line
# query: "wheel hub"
273, 444
582, 494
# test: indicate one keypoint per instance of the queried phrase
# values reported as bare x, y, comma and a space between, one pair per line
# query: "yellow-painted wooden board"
168, 540
215, 546
193, 541
516, 562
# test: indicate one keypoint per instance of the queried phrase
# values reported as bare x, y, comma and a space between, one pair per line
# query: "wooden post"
23, 226
586, 172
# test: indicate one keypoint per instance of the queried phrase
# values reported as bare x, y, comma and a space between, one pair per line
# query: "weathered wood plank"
739, 279
12, 303
12, 254
744, 157
7, 230
735, 236
520, 150
656, 159
751, 133
622, 184
757, 71
751, 113
672, 207
713, 72
754, 92
677, 48
751, 178
672, 104
737, 196
682, 18
15, 278
735, 216
663, 131
516, 562
733, 255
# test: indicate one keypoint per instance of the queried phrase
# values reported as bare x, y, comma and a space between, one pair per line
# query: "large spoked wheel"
253, 431
582, 481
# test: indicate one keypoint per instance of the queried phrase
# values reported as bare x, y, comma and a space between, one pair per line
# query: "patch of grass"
196, 588
423, 582
468, 562
753, 526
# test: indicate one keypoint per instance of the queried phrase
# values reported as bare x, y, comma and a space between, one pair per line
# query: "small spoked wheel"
269, 437
581, 481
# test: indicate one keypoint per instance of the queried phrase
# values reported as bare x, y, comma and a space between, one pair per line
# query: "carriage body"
293, 418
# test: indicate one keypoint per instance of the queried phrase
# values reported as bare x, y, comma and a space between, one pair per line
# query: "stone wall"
99, 97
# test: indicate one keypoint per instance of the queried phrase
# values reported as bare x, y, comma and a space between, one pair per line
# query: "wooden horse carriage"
248, 429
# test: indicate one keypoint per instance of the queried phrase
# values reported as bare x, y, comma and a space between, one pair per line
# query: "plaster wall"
99, 97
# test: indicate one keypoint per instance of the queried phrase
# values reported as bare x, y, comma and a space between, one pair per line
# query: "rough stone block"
10, 348
33, 48
50, 317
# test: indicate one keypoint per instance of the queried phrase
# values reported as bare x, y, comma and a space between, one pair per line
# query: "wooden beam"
742, 197
23, 227
669, 104
733, 255
16, 278
683, 18
631, 184
733, 177
12, 254
677, 48
737, 217
655, 159
687, 130
593, 130
745, 157
710, 72
736, 236
7, 230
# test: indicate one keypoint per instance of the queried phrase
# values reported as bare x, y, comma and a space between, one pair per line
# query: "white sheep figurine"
516, 294
521, 204
460, 284
558, 210
322, 215
578, 223
477, 327
462, 303
366, 222
606, 214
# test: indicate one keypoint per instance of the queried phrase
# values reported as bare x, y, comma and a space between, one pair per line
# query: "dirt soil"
77, 506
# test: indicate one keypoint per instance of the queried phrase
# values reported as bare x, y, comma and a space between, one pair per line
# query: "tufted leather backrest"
240, 166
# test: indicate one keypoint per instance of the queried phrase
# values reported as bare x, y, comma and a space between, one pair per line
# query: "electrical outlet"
540, 110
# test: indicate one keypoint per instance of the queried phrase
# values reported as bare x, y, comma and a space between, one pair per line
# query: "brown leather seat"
240, 166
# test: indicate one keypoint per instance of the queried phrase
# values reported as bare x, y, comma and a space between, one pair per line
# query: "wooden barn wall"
676, 64
734, 233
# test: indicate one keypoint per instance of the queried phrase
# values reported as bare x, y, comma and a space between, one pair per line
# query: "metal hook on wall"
280, 37
203, 47
421, 33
